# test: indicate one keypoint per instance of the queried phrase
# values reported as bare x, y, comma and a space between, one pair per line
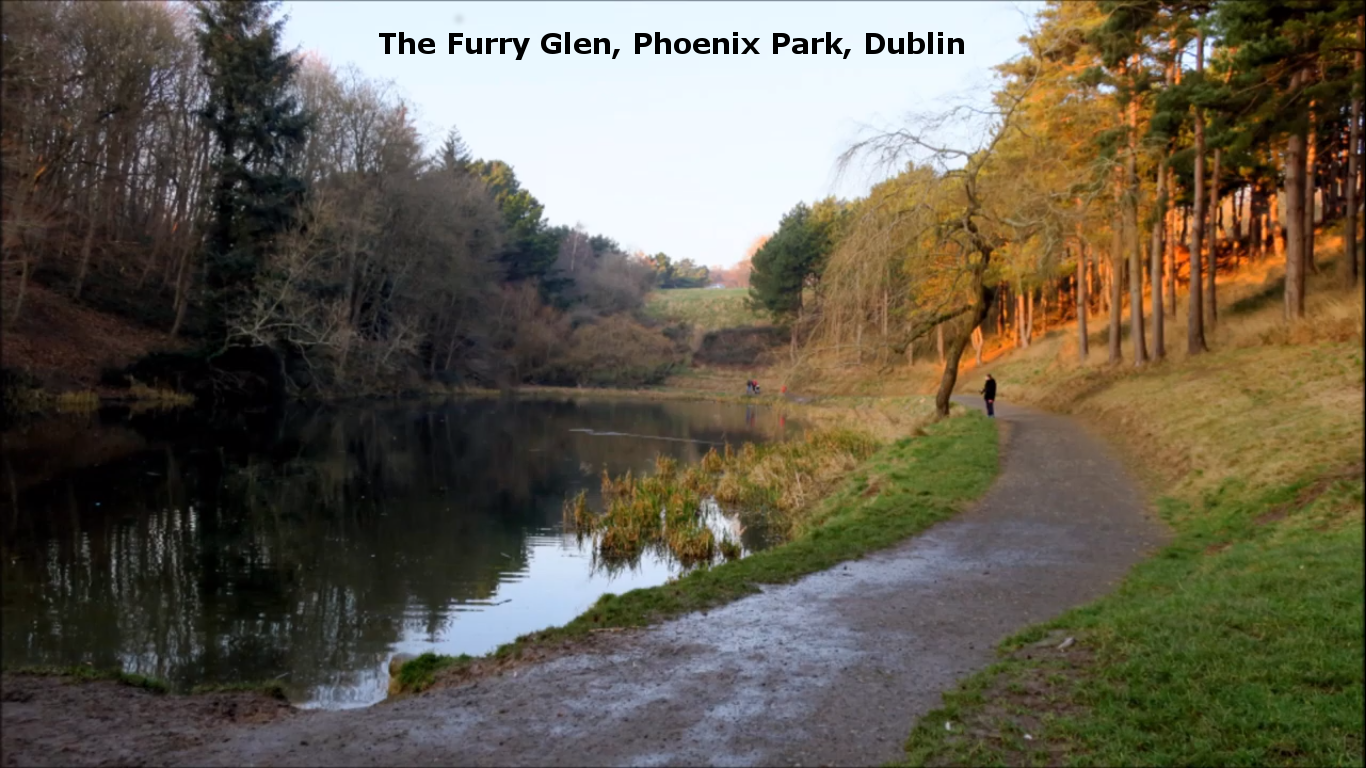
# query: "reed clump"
668, 510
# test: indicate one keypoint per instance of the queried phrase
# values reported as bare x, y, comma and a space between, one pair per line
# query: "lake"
312, 545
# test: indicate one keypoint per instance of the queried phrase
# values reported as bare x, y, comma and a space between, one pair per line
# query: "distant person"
989, 394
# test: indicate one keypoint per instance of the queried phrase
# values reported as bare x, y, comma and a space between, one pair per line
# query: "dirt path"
831, 670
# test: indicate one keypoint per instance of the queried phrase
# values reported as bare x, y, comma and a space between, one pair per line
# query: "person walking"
989, 394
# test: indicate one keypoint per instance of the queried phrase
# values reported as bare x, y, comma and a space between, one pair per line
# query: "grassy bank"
90, 674
83, 674
1241, 642
904, 487
704, 308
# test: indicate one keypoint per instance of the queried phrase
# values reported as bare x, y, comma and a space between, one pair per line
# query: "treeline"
1138, 147
168, 162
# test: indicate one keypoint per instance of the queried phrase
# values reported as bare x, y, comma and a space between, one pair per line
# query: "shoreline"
700, 589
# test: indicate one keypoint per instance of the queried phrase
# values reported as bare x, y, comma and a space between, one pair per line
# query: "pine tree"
791, 259
258, 129
454, 155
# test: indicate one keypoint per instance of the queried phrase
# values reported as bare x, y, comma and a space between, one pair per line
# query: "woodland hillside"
280, 234
1134, 160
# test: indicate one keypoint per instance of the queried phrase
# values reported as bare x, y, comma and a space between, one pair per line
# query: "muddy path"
831, 670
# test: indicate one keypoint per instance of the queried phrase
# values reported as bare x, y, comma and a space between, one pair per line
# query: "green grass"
271, 690
704, 308
90, 674
420, 673
1240, 642
903, 488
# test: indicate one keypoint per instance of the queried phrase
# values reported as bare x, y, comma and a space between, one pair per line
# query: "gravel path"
831, 670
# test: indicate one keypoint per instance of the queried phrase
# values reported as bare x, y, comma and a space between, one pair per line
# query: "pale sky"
693, 155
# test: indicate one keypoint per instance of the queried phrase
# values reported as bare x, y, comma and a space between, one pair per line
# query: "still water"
309, 547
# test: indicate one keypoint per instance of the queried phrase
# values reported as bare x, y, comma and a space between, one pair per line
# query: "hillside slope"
64, 346
1241, 642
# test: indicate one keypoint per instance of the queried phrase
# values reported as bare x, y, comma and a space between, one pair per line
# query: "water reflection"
310, 546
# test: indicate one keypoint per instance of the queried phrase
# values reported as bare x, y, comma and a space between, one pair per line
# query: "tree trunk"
1294, 221
1155, 262
978, 342
1195, 329
1310, 182
939, 341
1081, 295
1116, 277
1347, 266
985, 298
1256, 245
1135, 244
86, 246
1211, 308
1029, 317
1236, 211
1170, 305
23, 288
1020, 320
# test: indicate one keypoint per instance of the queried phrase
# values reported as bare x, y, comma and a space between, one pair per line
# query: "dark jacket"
989, 391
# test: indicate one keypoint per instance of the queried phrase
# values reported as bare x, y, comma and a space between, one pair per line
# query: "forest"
292, 234
289, 231
1137, 153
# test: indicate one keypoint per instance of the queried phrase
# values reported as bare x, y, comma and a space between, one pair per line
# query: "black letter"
749, 45
545, 42
642, 43
868, 44
386, 36
427, 45
455, 40
958, 40
412, 44
783, 44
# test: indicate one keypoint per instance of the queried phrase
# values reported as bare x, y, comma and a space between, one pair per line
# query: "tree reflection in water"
308, 546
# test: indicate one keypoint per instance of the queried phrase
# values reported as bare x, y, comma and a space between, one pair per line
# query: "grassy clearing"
1241, 642
903, 488
704, 308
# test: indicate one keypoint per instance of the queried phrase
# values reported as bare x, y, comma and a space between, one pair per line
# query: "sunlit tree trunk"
1115, 276
1135, 244
1211, 308
1294, 220
1195, 329
1155, 262
1082, 342
1347, 267
1310, 182
1173, 215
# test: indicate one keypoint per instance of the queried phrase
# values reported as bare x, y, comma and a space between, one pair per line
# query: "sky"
692, 155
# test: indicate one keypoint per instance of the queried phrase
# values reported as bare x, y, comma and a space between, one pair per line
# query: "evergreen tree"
794, 257
258, 129
530, 246
454, 155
